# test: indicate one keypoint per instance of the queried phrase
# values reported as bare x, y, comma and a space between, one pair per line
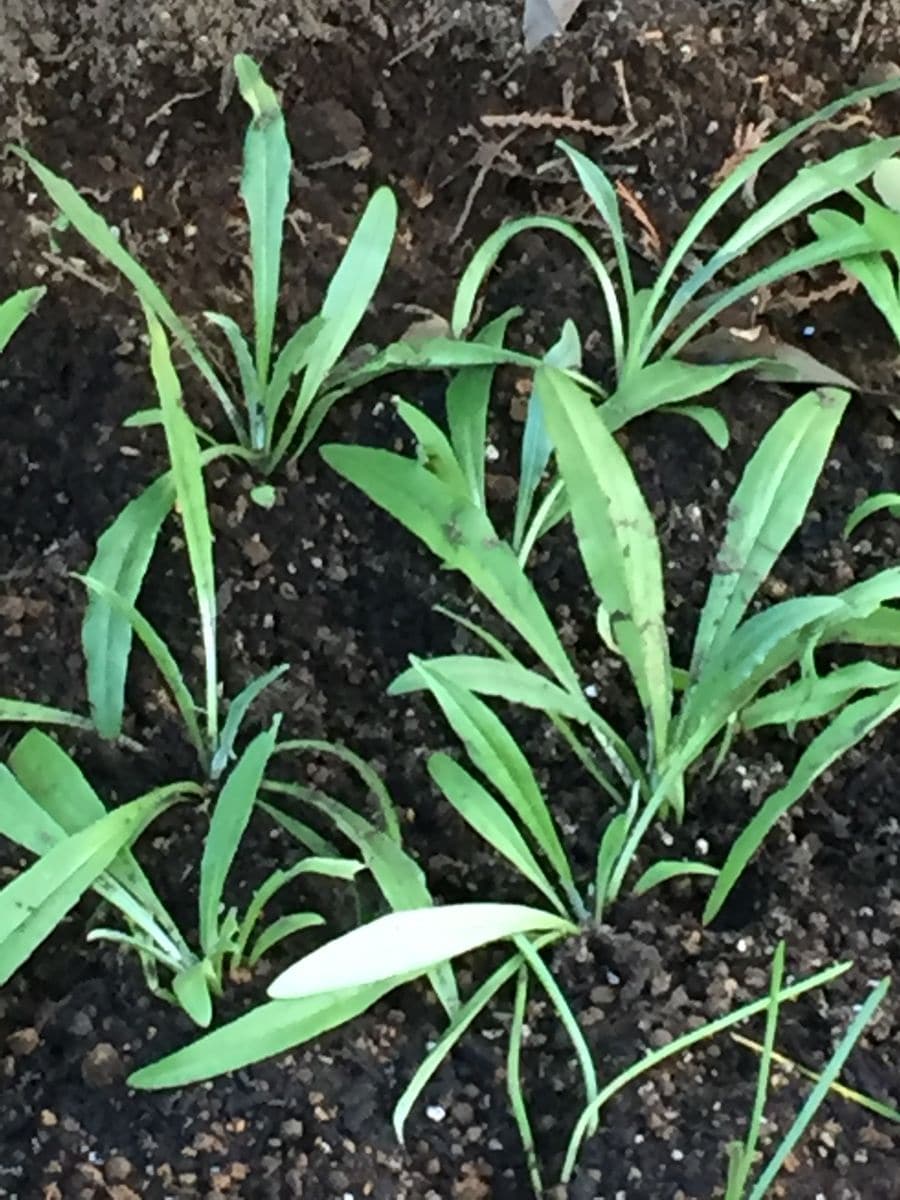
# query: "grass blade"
348, 296
490, 821
655, 1057
476, 1003
247, 371
237, 711
267, 1030
162, 657
226, 828
280, 929
820, 1091
37, 900
468, 398
764, 512
95, 230
851, 725
41, 714
666, 869
408, 942
816, 696
617, 541
190, 492
514, 1085
120, 562
264, 189
496, 754
663, 383
486, 676
462, 536
370, 778
536, 444
433, 447
15, 309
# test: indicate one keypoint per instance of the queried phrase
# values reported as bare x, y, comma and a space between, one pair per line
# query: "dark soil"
121, 97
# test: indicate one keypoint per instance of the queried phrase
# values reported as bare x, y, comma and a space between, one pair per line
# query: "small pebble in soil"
102, 1066
434, 1112
23, 1041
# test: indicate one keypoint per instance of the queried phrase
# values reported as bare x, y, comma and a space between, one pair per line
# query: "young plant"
48, 807
734, 656
274, 417
652, 329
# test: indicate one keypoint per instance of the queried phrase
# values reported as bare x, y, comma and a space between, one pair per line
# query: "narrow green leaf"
608, 852
848, 728
267, 1030
537, 446
280, 929
303, 833
264, 188
487, 676
490, 821
120, 562
160, 653
246, 369
405, 942
462, 537
710, 421
468, 398
886, 182
15, 309
489, 251
496, 754
348, 296
371, 779
37, 900
292, 358
617, 540
24, 711
820, 1091
190, 492
95, 230
765, 511
476, 1003
666, 869
816, 695
226, 828
433, 449
237, 711
665, 382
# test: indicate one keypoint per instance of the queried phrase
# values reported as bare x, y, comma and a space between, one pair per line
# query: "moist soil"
134, 104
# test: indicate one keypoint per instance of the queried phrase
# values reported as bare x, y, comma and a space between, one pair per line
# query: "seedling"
651, 329
47, 806
15, 309
734, 656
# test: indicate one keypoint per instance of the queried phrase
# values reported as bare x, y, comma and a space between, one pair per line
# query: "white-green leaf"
405, 942
24, 711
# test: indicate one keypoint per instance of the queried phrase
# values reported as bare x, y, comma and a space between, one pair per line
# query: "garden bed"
129, 106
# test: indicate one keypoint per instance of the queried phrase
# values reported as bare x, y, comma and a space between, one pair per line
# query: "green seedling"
653, 331
279, 1025
734, 657
49, 808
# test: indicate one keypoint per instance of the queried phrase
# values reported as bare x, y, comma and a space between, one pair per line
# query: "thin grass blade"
851, 725
264, 189
120, 563
237, 711
229, 820
190, 492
